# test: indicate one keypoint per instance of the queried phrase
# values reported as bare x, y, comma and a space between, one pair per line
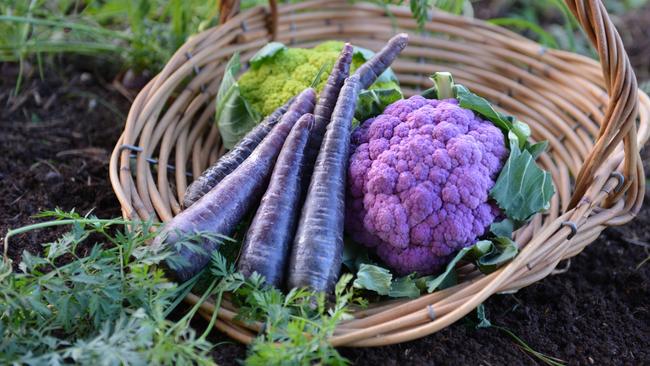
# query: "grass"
549, 360
142, 33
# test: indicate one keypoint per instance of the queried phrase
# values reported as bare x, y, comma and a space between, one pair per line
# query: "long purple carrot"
329, 94
268, 240
317, 250
315, 259
222, 208
370, 71
325, 106
230, 161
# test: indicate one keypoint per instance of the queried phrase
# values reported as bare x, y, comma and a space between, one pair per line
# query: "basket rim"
603, 195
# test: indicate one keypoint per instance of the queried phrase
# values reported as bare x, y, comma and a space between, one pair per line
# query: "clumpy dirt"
57, 134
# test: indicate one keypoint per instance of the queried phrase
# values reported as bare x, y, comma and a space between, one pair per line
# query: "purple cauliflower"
419, 178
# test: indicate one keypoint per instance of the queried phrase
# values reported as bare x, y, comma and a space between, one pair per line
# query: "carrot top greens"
111, 306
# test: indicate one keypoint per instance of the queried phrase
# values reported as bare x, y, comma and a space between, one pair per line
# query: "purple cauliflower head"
418, 182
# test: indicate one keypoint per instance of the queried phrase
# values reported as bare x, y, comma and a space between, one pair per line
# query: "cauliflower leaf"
234, 115
278, 73
487, 255
372, 102
373, 278
380, 280
267, 52
522, 188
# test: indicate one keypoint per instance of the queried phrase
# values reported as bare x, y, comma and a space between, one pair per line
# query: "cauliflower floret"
418, 182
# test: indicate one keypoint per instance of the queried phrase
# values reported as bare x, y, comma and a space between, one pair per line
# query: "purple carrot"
329, 94
219, 211
316, 255
230, 161
268, 240
370, 71
325, 106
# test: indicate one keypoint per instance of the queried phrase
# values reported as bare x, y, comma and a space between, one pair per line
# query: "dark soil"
56, 137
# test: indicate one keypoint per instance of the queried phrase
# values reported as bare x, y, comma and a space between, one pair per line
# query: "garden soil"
55, 140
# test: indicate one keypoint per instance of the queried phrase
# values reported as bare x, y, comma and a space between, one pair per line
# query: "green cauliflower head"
270, 83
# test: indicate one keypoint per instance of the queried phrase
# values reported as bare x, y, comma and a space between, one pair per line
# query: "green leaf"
87, 279
476, 251
537, 149
373, 278
38, 306
342, 283
504, 227
522, 188
503, 250
354, 255
480, 105
372, 102
362, 53
545, 38
267, 53
323, 69
419, 10
488, 255
234, 115
404, 287
522, 131
483, 321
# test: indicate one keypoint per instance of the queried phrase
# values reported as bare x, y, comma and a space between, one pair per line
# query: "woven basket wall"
591, 113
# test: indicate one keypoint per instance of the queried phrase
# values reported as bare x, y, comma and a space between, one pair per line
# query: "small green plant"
143, 33
484, 322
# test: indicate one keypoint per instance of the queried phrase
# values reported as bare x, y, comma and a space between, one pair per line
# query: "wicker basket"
592, 114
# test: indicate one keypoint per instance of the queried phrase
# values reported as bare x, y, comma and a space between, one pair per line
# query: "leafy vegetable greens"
112, 306
372, 102
487, 255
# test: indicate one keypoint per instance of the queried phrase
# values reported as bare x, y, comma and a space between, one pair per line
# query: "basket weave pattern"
592, 114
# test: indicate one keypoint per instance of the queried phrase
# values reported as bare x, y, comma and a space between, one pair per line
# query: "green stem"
186, 319
183, 290
46, 224
64, 46
213, 319
549, 360
444, 83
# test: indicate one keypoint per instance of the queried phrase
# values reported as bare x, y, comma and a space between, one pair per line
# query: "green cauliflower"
278, 73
